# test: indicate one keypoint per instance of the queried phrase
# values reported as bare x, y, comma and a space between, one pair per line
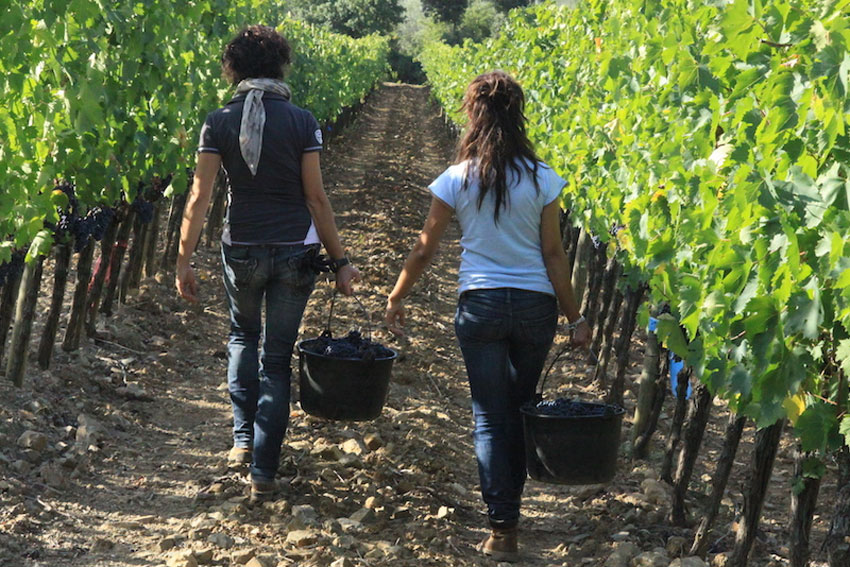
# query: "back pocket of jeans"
476, 326
539, 329
239, 270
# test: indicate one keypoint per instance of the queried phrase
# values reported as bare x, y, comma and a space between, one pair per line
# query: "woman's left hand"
345, 277
187, 285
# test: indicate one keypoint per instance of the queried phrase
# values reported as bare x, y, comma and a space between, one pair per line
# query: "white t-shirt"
507, 254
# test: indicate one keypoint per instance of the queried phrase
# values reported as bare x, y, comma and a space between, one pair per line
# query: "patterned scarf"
254, 116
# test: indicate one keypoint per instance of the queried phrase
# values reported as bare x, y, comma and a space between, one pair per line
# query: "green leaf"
815, 426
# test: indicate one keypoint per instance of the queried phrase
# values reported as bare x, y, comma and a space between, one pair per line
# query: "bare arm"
557, 268
323, 217
419, 258
193, 221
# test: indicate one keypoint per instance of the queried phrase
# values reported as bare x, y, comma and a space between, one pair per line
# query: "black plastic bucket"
350, 389
343, 389
578, 449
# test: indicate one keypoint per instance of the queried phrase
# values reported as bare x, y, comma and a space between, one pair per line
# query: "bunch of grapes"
144, 210
68, 216
352, 346
12, 268
94, 224
563, 407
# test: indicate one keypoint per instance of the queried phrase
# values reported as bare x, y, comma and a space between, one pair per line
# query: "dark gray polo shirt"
268, 208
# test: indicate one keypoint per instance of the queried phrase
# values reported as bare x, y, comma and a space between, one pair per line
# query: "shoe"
500, 545
240, 456
262, 491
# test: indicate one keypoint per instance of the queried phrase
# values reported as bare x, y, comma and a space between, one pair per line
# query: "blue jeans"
259, 385
504, 335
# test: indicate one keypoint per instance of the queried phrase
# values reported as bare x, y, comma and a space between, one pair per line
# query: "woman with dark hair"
277, 218
513, 275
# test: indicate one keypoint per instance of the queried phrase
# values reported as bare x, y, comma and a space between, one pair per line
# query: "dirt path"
136, 427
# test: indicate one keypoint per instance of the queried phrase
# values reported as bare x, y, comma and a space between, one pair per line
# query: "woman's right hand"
581, 335
187, 285
345, 277
394, 317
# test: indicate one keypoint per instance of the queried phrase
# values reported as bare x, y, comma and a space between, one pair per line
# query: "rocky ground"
116, 456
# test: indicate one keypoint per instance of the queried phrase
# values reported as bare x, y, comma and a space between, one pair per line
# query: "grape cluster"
94, 224
562, 407
144, 210
68, 216
352, 346
11, 268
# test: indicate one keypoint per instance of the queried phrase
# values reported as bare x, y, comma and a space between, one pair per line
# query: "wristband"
576, 323
335, 265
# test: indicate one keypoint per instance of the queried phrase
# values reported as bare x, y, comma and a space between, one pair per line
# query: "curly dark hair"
257, 52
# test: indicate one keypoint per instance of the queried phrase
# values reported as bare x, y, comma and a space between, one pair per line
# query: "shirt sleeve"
553, 184
208, 142
313, 138
445, 188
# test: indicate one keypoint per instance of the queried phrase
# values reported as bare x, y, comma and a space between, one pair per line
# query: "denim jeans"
504, 335
259, 385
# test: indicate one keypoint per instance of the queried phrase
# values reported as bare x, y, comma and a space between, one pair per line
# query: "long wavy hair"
495, 140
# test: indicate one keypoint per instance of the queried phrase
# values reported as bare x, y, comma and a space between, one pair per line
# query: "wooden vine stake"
74, 330
115, 261
804, 498
761, 467
719, 481
601, 374
675, 436
24, 315
580, 265
7, 307
838, 539
99, 278
647, 384
698, 414
624, 341
172, 232
51, 325
151, 265
608, 289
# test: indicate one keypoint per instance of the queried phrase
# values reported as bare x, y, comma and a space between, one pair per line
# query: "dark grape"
352, 346
11, 268
94, 224
144, 210
563, 407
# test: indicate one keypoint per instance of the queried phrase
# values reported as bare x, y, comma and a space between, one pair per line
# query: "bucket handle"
539, 393
331, 314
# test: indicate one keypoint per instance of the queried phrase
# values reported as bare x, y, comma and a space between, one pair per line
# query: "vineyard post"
646, 395
152, 240
96, 288
838, 539
660, 392
604, 355
216, 215
116, 260
51, 326
596, 268
172, 231
761, 467
135, 254
720, 479
24, 315
673, 439
7, 306
804, 498
572, 235
635, 297
74, 330
607, 288
698, 414
580, 265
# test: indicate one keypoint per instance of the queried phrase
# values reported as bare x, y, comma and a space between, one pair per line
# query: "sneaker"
262, 491
500, 545
240, 456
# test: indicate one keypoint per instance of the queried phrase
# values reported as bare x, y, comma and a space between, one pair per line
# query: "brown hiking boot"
262, 491
501, 545
240, 456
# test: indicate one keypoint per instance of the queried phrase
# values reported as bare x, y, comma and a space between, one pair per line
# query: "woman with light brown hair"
513, 276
